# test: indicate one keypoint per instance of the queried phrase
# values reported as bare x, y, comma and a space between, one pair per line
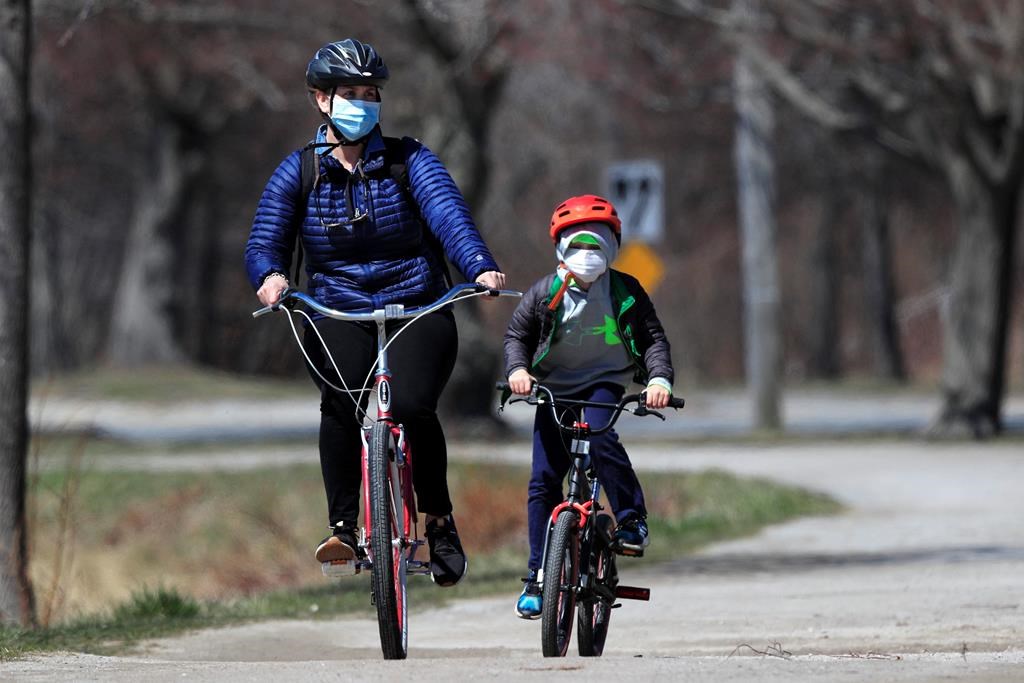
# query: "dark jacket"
384, 258
532, 329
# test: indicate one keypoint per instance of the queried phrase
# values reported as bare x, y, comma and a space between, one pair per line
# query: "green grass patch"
129, 556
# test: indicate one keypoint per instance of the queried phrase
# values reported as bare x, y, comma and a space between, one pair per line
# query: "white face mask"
586, 264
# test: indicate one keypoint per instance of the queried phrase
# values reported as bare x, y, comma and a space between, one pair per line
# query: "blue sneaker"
528, 606
631, 536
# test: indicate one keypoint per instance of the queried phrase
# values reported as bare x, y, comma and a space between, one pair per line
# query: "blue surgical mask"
354, 118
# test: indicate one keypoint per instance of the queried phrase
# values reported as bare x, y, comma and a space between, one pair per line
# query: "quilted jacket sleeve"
521, 337
651, 336
445, 211
272, 238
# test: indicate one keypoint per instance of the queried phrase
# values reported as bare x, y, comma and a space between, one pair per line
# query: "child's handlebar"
541, 395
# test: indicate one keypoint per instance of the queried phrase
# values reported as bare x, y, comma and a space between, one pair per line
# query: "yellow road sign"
642, 262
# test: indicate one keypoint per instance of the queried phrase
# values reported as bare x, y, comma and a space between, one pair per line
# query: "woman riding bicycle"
375, 223
585, 331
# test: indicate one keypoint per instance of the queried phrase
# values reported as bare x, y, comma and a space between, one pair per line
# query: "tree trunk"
16, 599
879, 290
824, 285
142, 329
755, 172
977, 311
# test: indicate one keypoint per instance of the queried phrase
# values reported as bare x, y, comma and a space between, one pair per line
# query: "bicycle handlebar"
390, 311
640, 399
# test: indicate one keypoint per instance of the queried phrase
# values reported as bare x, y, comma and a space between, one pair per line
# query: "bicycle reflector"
632, 593
335, 569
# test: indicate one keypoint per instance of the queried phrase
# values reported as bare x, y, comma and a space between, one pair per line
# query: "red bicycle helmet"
587, 208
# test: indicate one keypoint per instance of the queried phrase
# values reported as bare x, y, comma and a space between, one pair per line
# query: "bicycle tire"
594, 615
389, 571
561, 575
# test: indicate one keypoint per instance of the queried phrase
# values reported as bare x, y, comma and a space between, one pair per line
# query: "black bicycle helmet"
346, 62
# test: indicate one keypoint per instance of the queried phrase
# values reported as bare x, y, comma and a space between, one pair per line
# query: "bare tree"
466, 40
879, 288
755, 171
939, 82
16, 598
824, 281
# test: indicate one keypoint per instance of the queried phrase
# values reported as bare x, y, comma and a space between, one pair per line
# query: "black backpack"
394, 159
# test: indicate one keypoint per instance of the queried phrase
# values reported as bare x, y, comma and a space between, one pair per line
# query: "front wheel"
596, 611
561, 577
386, 536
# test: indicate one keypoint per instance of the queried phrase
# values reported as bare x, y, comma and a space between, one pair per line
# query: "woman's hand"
492, 279
657, 396
520, 381
270, 291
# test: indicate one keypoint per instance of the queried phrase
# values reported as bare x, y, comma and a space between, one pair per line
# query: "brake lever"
642, 410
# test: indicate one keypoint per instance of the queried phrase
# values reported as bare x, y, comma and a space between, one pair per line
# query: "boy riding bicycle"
586, 331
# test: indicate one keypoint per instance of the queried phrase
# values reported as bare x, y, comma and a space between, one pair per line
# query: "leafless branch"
261, 87
870, 655
83, 14
801, 97
773, 650
207, 15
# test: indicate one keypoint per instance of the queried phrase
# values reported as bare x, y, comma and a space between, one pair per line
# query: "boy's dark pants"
552, 460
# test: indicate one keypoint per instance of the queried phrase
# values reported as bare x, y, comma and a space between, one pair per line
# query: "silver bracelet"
275, 274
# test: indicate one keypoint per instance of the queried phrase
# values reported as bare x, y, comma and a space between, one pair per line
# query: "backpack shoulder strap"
309, 173
308, 170
394, 158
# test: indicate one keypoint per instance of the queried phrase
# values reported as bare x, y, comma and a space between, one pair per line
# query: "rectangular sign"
636, 188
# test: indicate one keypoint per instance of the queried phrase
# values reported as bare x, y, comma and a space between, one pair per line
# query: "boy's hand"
657, 396
520, 381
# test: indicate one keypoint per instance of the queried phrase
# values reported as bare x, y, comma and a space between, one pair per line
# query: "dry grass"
216, 536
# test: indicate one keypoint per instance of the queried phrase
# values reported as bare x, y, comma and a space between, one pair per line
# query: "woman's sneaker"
341, 545
529, 604
447, 560
631, 536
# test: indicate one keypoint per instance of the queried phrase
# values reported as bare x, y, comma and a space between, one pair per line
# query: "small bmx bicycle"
578, 570
389, 537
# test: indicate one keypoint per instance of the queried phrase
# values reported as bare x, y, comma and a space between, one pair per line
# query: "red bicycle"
578, 570
389, 537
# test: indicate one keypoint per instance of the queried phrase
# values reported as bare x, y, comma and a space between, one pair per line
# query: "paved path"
923, 579
708, 414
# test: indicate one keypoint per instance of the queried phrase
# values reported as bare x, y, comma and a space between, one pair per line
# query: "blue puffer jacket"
381, 259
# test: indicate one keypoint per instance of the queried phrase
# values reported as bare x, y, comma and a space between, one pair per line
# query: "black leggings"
421, 361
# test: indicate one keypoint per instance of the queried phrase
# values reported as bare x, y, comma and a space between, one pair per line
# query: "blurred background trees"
896, 147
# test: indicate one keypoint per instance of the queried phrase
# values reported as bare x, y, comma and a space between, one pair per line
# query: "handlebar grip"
502, 386
675, 402
283, 300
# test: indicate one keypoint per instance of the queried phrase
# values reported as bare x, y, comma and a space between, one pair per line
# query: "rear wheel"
596, 612
561, 577
389, 554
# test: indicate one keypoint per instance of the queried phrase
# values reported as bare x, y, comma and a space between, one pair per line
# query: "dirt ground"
921, 580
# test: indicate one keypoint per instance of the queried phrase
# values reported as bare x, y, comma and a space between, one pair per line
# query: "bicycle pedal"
418, 567
336, 569
629, 550
632, 593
